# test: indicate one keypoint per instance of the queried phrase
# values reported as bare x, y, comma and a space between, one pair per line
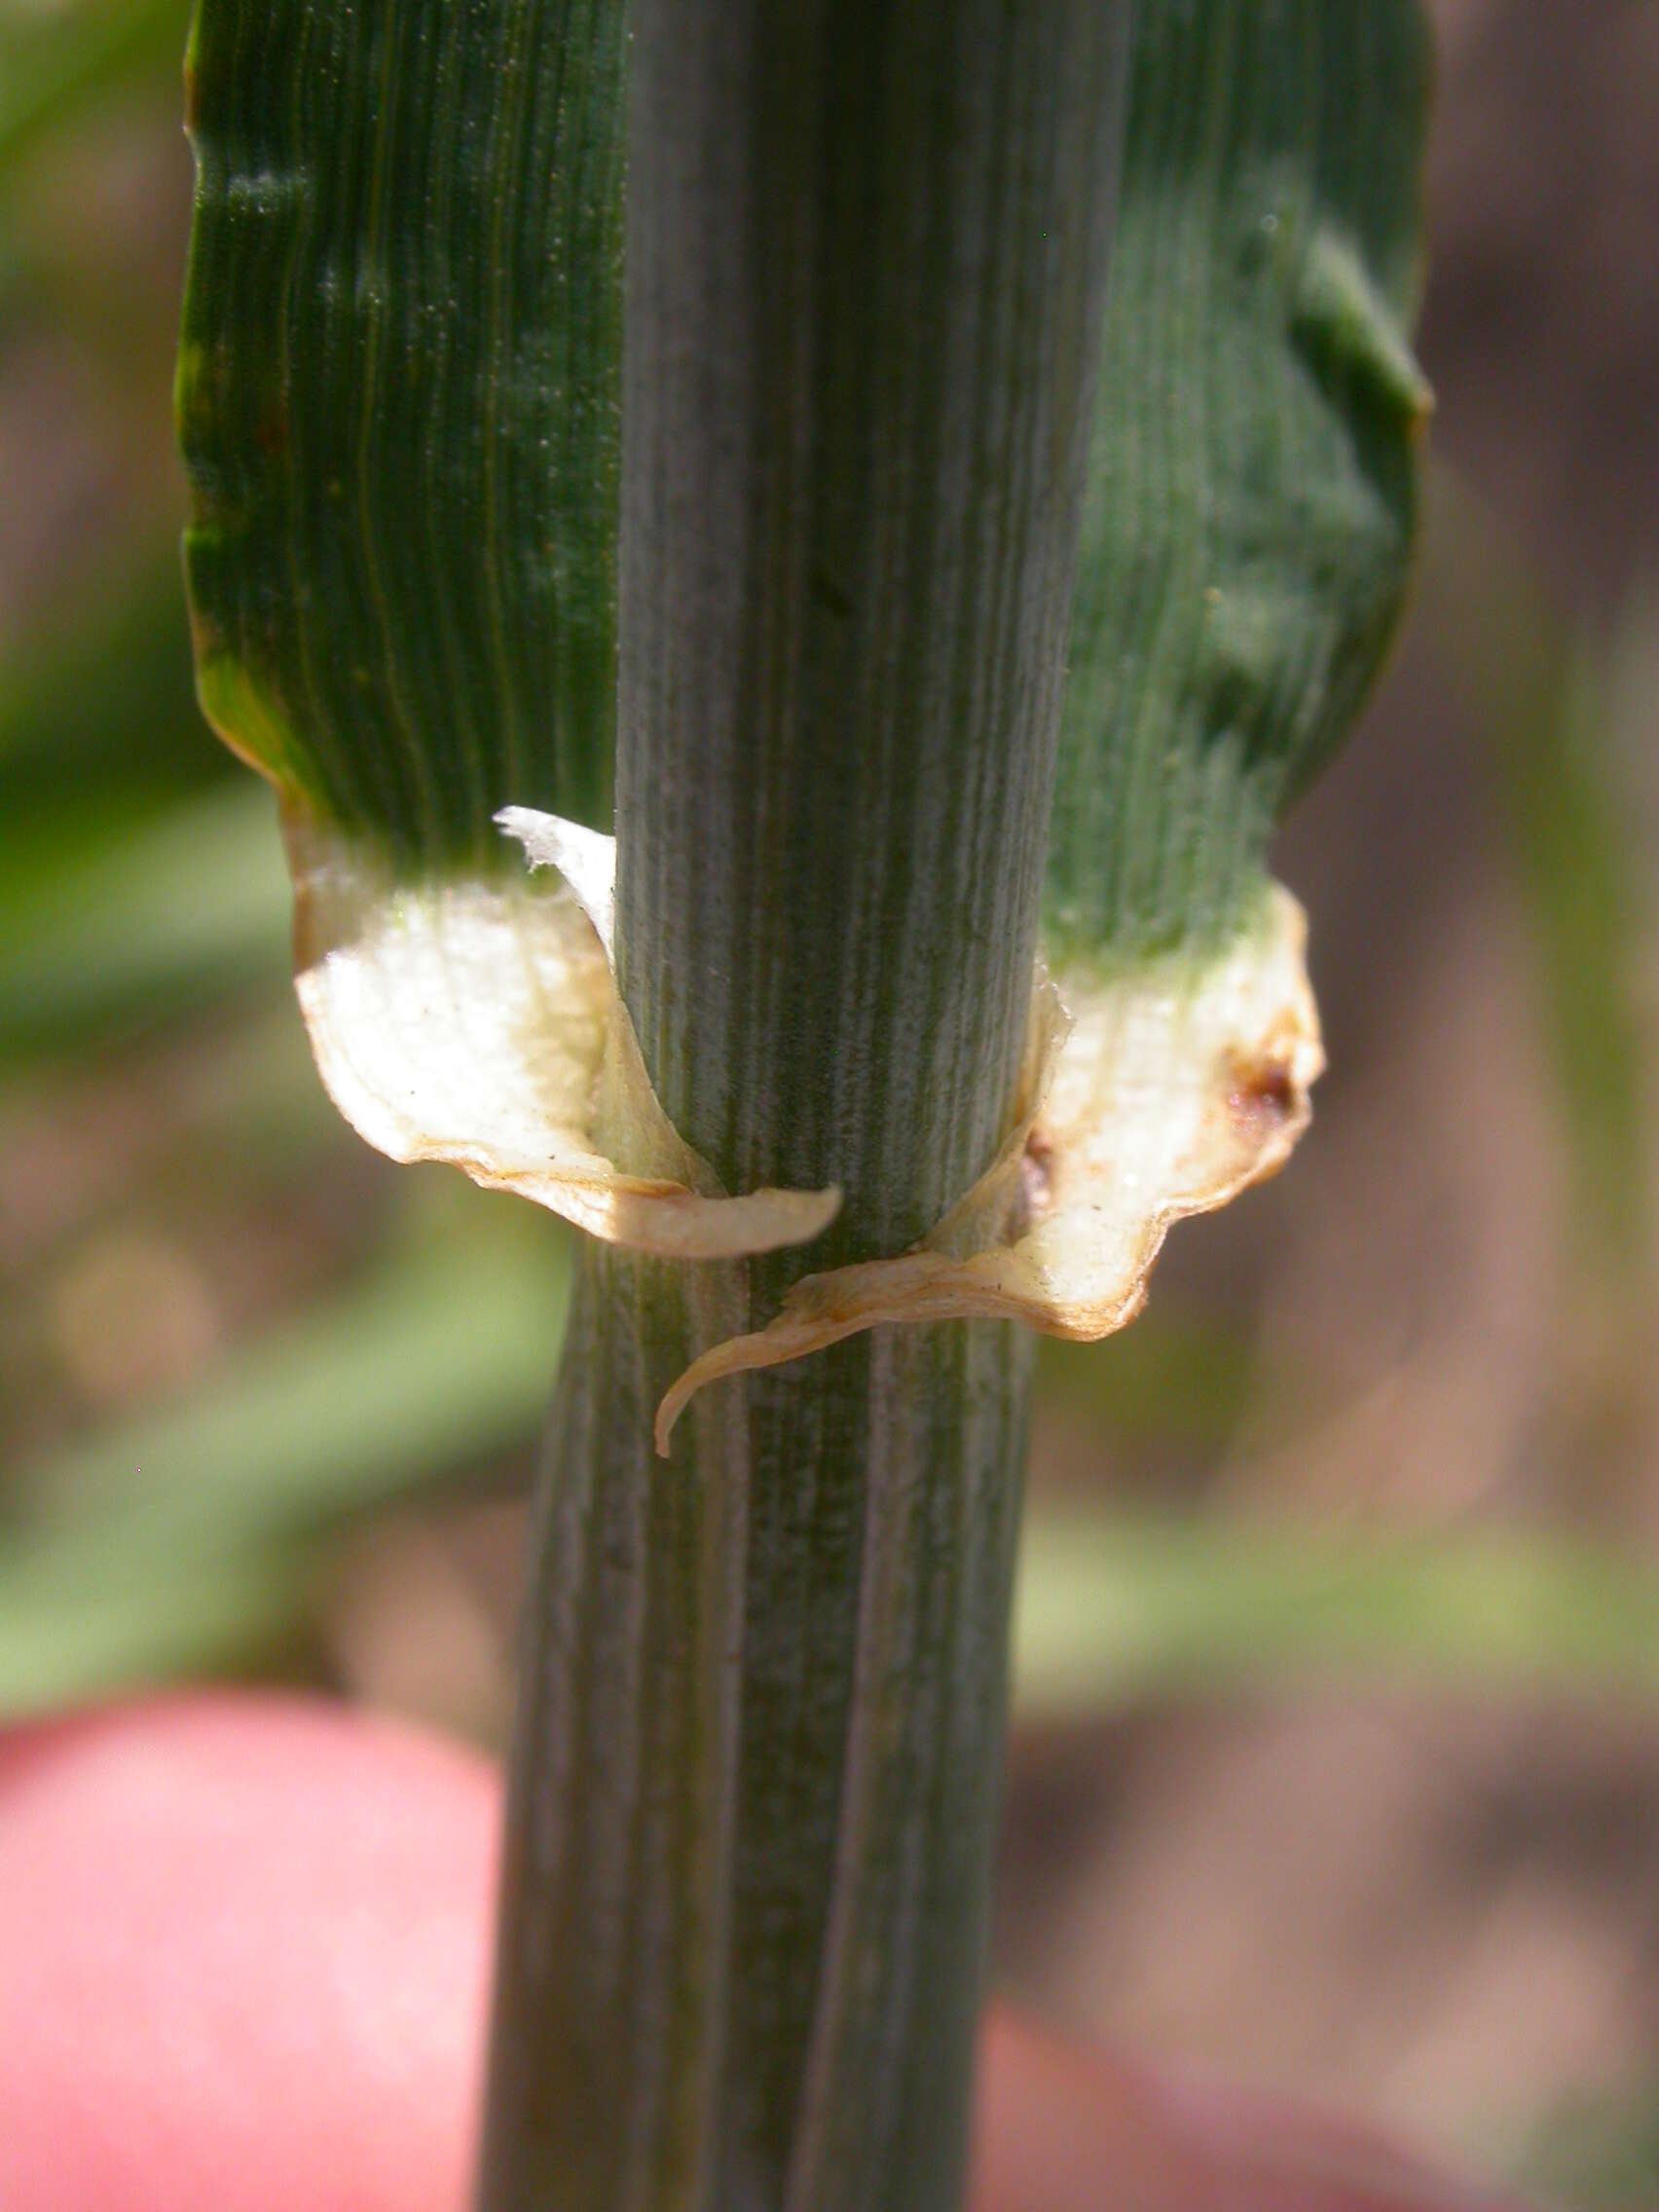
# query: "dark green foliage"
397, 399
1251, 484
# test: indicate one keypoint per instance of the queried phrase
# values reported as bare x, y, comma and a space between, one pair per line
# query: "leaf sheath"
756, 1770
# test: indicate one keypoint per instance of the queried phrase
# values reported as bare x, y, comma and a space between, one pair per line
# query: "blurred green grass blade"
111, 924
1533, 684
1251, 501
98, 1634
1114, 1607
440, 1360
256, 1100
53, 59
1594, 2154
1173, 1378
444, 1353
398, 402
101, 692
129, 884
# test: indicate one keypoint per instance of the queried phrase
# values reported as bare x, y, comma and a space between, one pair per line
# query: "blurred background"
1337, 1754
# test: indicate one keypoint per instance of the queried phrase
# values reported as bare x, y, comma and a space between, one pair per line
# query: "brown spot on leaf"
1033, 1186
1262, 1092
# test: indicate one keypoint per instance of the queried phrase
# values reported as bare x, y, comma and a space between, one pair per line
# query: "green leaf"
99, 692
71, 1630
133, 1552
1114, 1607
1176, 1378
112, 800
398, 404
1251, 487
115, 921
1536, 684
53, 58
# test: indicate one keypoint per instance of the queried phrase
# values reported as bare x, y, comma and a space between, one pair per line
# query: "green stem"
755, 1771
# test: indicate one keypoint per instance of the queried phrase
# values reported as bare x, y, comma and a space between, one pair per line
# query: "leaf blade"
1251, 496
397, 401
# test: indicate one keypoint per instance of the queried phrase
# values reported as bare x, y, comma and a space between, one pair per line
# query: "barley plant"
783, 560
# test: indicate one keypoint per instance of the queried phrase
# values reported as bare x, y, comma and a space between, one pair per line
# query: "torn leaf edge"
350, 905
995, 1254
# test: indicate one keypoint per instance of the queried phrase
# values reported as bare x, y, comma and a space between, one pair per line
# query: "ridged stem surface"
756, 1761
